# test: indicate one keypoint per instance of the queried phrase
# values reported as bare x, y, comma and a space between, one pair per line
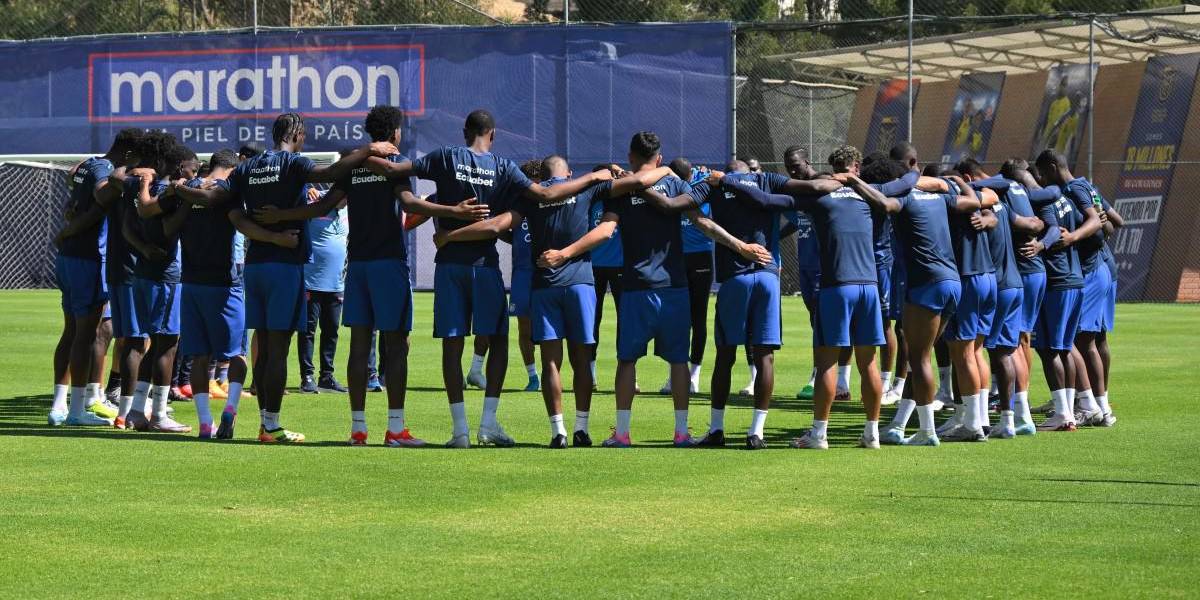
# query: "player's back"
554, 225
376, 219
1000, 245
91, 242
651, 241
273, 178
153, 230
971, 250
1083, 194
1063, 269
209, 243
846, 236
121, 256
750, 224
923, 230
608, 253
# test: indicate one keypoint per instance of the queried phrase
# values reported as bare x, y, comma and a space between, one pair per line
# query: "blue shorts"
468, 300
1059, 320
939, 297
899, 293
564, 313
212, 321
976, 308
661, 315
883, 278
124, 315
810, 286
82, 284
1097, 286
748, 310
1006, 327
275, 297
157, 307
848, 315
378, 295
1110, 318
520, 292
1034, 292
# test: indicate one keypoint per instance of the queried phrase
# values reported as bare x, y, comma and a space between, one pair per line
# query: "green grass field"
103, 513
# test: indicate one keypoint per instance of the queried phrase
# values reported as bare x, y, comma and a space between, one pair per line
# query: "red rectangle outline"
208, 117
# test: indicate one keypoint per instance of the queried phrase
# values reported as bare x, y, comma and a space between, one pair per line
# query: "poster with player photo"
1063, 117
972, 116
889, 120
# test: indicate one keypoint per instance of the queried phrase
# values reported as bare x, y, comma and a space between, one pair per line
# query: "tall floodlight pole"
1091, 88
910, 68
254, 15
566, 11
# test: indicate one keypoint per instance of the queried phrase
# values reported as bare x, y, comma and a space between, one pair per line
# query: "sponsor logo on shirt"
264, 174
553, 204
474, 175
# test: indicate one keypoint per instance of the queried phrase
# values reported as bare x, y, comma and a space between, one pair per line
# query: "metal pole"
810, 122
910, 69
1091, 90
566, 11
733, 98
254, 15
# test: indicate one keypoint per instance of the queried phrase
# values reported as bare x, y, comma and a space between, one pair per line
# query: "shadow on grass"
1133, 481
1036, 500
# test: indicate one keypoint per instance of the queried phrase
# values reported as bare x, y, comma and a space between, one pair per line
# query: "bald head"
737, 166
555, 166
906, 153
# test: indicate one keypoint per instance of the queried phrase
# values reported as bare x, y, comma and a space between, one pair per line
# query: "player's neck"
481, 145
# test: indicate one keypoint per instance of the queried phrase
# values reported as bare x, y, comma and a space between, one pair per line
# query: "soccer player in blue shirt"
562, 298
607, 262
468, 286
79, 269
274, 278
698, 259
1088, 238
521, 286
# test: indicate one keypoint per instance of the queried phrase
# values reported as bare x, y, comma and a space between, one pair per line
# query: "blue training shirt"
1000, 243
1083, 195
750, 224
153, 232
694, 240
923, 230
884, 256
607, 254
971, 250
89, 243
210, 243
376, 219
275, 177
556, 225
808, 251
460, 173
328, 235
651, 241
1063, 270
120, 255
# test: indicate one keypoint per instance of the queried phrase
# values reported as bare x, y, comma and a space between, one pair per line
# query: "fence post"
254, 15
1091, 89
733, 96
910, 68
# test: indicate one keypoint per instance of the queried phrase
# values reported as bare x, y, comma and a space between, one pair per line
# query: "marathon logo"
363, 176
188, 85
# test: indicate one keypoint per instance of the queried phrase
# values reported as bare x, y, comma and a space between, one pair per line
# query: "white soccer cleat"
462, 441
87, 419
747, 391
477, 379
921, 438
937, 405
892, 436
494, 435
808, 441
1093, 418
870, 443
56, 418
950, 423
963, 433
1002, 432
1108, 421
890, 397
1057, 423
1043, 409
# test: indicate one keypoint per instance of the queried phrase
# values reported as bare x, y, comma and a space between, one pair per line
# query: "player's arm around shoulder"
597, 235
342, 168
566, 189
487, 229
287, 239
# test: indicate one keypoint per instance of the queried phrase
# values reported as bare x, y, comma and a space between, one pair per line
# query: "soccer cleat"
944, 396
373, 385
225, 429
113, 394
892, 436
495, 436
101, 408
281, 436
476, 378
358, 438
263, 436
176, 395
617, 440
808, 441
559, 442
684, 439
950, 423
165, 424
581, 439
921, 438
712, 439
747, 391
753, 442
1094, 418
534, 385
119, 423
137, 421
890, 397
308, 386
216, 391
404, 439
185, 390
1048, 407
806, 393
963, 433
937, 405
1057, 423
870, 443
1002, 432
666, 388
56, 418
87, 419
1108, 420
460, 440
207, 431
841, 395
329, 384
1025, 429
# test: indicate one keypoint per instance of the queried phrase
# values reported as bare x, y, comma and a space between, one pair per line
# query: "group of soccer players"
978, 270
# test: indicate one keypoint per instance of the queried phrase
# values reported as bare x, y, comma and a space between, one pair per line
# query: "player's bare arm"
288, 239
487, 229
716, 233
348, 163
598, 235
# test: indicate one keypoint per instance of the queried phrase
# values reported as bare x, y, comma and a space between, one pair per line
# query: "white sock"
843, 383
395, 420
76, 404
886, 378
358, 421
898, 385
203, 412
818, 429
160, 401
593, 368
490, 404
993, 389
556, 426
476, 363
981, 409
126, 404
623, 421
925, 418
93, 393
968, 408
812, 379
681, 418
458, 412
871, 431
1071, 395
694, 372
60, 398
270, 420
1087, 402
141, 391
753, 376
716, 419
904, 411
235, 396
757, 420
944, 379
1006, 419
581, 420
1021, 407
1059, 397
531, 370
1103, 402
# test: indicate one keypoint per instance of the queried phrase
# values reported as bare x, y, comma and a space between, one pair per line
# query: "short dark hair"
152, 150
932, 170
882, 169
969, 166
176, 155
903, 151
382, 121
478, 123
1012, 165
800, 151
682, 168
223, 159
547, 165
874, 157
1051, 157
645, 144
249, 150
125, 141
533, 169
286, 127
844, 156
736, 165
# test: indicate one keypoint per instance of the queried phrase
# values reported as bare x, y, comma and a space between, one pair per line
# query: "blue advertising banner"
581, 91
971, 117
1150, 155
889, 120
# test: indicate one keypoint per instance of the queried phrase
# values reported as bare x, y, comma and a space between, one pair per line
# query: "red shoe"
358, 438
404, 439
185, 390
119, 422
263, 436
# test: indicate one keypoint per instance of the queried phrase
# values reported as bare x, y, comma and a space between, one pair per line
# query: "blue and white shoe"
56, 418
87, 419
534, 385
1025, 429
1002, 432
920, 438
892, 437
